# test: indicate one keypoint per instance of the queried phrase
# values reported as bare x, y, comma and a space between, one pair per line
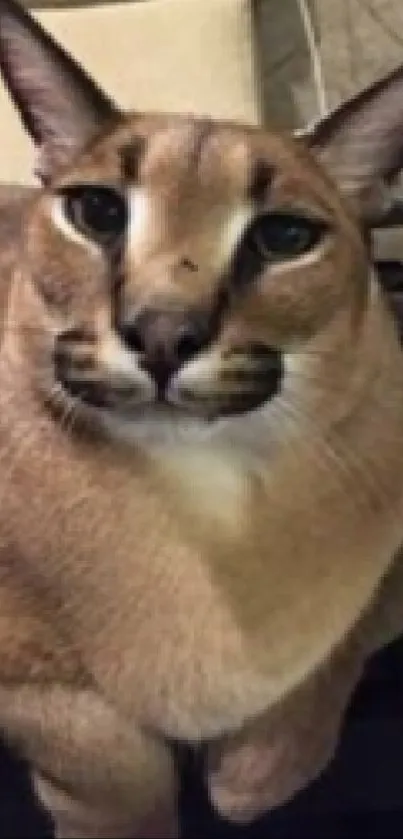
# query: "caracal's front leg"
283, 751
96, 774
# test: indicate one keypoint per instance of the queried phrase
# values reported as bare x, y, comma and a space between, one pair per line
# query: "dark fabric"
359, 797
361, 794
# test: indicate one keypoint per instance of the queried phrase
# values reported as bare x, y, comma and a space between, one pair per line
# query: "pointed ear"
361, 144
59, 104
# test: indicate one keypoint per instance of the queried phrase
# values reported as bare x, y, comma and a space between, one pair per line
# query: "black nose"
165, 340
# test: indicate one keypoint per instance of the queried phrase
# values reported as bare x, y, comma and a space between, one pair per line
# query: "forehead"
215, 162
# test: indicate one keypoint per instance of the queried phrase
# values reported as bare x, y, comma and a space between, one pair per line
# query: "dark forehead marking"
202, 129
261, 176
131, 155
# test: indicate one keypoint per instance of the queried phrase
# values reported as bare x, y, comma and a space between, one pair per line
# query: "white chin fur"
150, 427
252, 434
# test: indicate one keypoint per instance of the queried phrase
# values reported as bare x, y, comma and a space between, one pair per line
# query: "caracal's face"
183, 273
192, 274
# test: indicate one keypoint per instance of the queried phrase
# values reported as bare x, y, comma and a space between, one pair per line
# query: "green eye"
98, 212
277, 236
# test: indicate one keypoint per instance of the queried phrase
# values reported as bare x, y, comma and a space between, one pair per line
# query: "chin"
169, 428
159, 425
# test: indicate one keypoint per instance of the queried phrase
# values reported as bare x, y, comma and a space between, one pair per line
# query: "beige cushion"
193, 55
358, 41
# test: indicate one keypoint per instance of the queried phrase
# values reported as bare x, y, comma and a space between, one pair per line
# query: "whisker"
68, 405
345, 467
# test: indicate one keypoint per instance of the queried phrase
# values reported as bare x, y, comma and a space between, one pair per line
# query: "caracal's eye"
277, 236
98, 212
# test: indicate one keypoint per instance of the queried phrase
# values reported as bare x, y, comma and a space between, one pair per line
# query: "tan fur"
182, 614
167, 577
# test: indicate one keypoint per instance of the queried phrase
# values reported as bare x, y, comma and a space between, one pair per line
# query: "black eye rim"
108, 202
312, 230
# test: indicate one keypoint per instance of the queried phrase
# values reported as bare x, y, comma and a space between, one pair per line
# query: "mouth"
246, 383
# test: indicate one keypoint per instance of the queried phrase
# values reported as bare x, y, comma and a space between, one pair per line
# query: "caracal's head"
178, 272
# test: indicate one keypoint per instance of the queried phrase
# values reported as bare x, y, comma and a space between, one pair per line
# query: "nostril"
188, 343
132, 337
